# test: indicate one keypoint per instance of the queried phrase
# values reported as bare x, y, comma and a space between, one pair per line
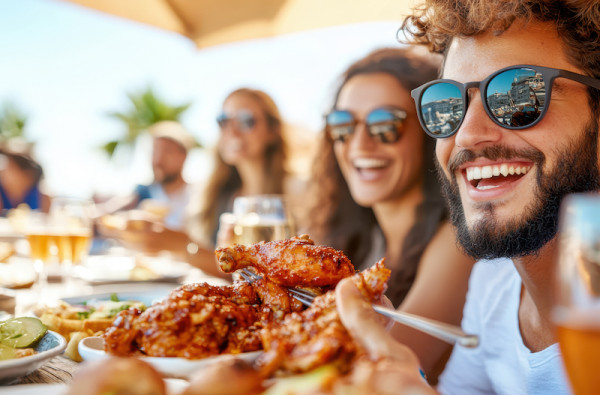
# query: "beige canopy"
213, 22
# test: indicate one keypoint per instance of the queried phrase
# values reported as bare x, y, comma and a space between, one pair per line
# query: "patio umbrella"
213, 22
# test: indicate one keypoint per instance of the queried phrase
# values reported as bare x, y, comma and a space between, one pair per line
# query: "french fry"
67, 321
72, 351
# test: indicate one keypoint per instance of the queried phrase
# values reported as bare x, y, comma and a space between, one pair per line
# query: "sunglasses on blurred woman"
243, 120
514, 97
382, 124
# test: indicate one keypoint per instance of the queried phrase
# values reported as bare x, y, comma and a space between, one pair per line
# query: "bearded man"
504, 180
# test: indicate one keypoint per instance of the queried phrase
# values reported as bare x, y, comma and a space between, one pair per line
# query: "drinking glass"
37, 233
71, 221
577, 303
261, 218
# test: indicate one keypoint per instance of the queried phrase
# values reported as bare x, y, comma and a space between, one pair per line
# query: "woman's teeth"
369, 163
478, 173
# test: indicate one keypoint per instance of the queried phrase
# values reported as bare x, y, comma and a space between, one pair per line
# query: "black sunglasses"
244, 120
514, 97
382, 123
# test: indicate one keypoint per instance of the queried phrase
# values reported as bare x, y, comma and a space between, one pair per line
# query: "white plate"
47, 348
104, 269
174, 387
92, 348
146, 297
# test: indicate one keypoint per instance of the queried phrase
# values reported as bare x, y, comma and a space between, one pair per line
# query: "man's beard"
168, 178
576, 171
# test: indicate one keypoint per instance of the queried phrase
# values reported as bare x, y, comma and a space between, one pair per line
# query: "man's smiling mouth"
493, 176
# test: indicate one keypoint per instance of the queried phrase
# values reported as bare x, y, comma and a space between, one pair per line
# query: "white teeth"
483, 188
478, 173
369, 163
486, 172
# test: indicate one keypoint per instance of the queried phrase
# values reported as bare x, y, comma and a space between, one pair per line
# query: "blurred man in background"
166, 198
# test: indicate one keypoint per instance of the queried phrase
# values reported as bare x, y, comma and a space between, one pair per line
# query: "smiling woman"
375, 192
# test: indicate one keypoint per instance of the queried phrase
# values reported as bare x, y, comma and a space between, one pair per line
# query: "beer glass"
261, 218
37, 233
577, 304
71, 221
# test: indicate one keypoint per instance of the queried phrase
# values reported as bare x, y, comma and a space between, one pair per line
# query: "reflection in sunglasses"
514, 97
383, 124
244, 120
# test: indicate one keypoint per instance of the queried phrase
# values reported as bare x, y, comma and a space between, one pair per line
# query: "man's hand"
397, 368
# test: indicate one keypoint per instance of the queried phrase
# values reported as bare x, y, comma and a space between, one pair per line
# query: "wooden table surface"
60, 369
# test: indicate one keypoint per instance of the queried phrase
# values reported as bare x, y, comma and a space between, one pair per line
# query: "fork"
449, 333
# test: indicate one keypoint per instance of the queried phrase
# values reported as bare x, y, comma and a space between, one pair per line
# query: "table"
58, 370
61, 369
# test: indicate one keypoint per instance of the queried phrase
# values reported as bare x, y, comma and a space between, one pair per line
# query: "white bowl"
51, 345
92, 349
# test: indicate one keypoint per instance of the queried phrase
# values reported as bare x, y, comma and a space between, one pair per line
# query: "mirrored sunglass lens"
341, 132
386, 131
382, 124
442, 108
340, 125
516, 97
246, 122
380, 115
335, 118
222, 120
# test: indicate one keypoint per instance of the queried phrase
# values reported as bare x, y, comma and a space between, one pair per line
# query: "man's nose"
477, 128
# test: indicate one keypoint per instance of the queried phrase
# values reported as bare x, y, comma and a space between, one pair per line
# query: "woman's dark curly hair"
334, 218
435, 22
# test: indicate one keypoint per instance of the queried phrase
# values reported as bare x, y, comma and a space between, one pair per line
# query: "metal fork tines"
446, 332
304, 297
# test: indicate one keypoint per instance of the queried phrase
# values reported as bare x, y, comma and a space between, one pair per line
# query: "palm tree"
12, 121
147, 109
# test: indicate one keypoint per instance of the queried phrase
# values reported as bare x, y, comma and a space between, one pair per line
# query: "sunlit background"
66, 67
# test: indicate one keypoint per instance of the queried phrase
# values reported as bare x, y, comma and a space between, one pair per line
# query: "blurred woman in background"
250, 159
375, 193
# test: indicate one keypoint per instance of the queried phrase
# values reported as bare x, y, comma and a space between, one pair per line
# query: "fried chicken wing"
295, 262
316, 336
200, 320
195, 321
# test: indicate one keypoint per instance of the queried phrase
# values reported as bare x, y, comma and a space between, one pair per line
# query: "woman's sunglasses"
383, 124
244, 120
514, 97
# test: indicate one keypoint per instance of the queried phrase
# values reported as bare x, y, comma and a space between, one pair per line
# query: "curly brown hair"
335, 219
435, 22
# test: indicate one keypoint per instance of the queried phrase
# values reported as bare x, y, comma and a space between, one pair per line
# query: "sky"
66, 67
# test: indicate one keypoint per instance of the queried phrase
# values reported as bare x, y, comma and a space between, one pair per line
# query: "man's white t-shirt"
501, 364
177, 203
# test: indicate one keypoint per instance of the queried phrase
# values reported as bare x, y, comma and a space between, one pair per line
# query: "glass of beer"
71, 230
577, 303
261, 218
38, 235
